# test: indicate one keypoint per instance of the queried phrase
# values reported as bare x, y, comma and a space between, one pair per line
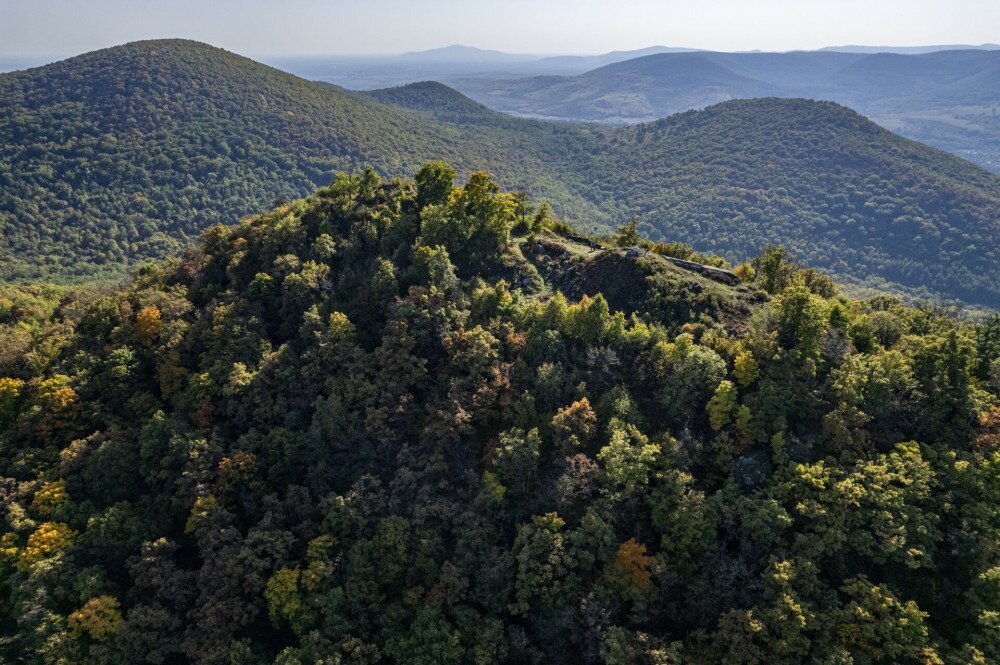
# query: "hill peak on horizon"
464, 52
910, 50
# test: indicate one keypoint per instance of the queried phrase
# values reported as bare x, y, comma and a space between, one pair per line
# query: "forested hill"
840, 191
435, 98
369, 427
121, 155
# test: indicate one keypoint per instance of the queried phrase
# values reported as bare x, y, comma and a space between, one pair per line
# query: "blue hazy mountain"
911, 50
460, 53
949, 99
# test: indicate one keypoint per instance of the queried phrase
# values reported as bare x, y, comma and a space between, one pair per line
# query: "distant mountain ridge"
448, 64
858, 78
949, 98
625, 91
587, 62
124, 154
911, 50
461, 52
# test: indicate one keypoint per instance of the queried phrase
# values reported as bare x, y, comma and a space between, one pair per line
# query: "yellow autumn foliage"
49, 498
49, 539
100, 618
148, 325
632, 564
745, 367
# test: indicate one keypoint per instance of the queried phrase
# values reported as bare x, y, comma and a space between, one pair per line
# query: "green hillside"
368, 427
435, 98
125, 154
838, 190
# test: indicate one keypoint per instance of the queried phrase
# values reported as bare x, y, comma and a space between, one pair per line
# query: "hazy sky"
259, 27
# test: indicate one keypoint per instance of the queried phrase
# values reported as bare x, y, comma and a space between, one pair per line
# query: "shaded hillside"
124, 154
798, 69
368, 427
578, 64
900, 82
664, 82
630, 91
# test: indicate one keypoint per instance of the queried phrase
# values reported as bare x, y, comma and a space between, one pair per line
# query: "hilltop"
417, 423
125, 154
435, 98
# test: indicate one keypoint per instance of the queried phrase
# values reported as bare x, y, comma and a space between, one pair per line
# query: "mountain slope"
666, 82
958, 90
122, 155
886, 80
367, 427
689, 79
103, 150
833, 186
630, 91
432, 97
578, 64
795, 70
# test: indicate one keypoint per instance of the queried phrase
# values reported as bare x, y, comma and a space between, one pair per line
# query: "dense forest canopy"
126, 154
409, 422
